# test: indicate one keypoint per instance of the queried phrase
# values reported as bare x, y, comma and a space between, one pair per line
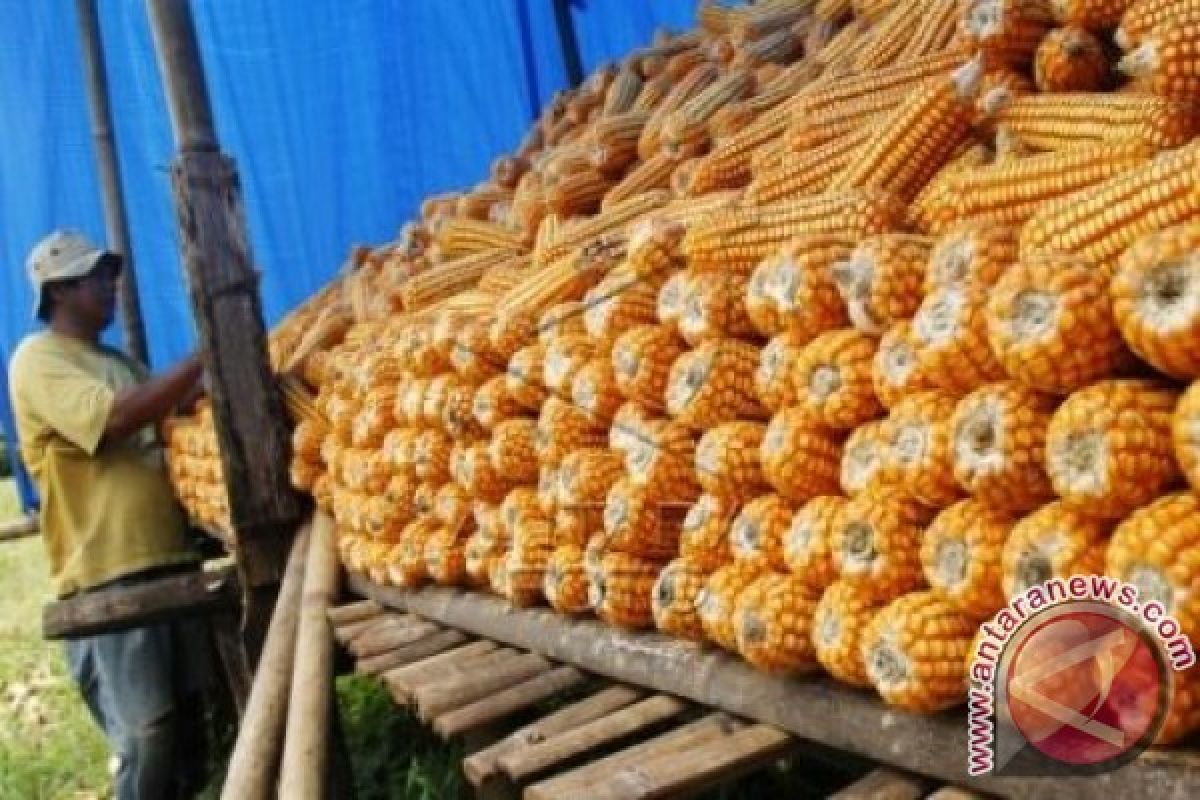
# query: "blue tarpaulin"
342, 115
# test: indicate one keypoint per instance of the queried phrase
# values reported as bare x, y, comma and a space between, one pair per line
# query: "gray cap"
59, 256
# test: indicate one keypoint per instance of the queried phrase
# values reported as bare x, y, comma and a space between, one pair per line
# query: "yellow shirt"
107, 508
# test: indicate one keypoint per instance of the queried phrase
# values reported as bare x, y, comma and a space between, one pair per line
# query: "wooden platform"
814, 709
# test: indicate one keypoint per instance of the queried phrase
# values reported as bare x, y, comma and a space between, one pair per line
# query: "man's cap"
60, 256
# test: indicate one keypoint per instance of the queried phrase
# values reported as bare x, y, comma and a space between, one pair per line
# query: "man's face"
92, 299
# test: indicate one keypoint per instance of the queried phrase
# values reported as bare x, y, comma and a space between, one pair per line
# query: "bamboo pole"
256, 752
116, 225
305, 750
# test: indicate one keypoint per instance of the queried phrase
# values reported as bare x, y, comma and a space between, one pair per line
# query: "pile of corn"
816, 333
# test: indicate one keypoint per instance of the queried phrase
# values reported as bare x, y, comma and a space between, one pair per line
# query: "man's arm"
145, 404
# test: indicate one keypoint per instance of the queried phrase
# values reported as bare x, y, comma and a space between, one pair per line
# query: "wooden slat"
432, 701
354, 612
502, 704
19, 528
582, 780
382, 639
158, 600
885, 784
402, 680
525, 763
345, 634
483, 765
410, 653
953, 793
694, 768
815, 708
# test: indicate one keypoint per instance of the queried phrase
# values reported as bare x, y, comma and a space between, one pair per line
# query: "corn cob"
565, 357
1164, 62
1009, 193
512, 450
935, 32
886, 40
452, 507
492, 403
619, 302
653, 248
699, 76
1006, 30
897, 371
960, 553
406, 568
920, 448
881, 282
613, 142
970, 255
838, 126
808, 543
832, 10
727, 461
802, 286
479, 556
563, 427
560, 321
458, 237
653, 173
1052, 542
839, 621
580, 192
862, 458
523, 377
1108, 447
431, 456
738, 240
1058, 121
833, 380
561, 243
1153, 300
547, 489
1092, 15
518, 503
772, 620
506, 171
704, 538
573, 525
876, 541
660, 459
774, 382
585, 476
621, 591
445, 557
1051, 326
1185, 432
673, 601
477, 204
713, 384
717, 600
714, 309
686, 127
920, 136
914, 650
307, 438
1070, 60
757, 532
1144, 16
641, 360
949, 332
521, 573
837, 54
637, 522
999, 445
1150, 550
628, 428
806, 173
728, 165
424, 498
622, 92
303, 474
565, 583
1183, 710
594, 389
800, 457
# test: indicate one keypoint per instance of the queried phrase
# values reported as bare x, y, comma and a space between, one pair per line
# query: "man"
86, 418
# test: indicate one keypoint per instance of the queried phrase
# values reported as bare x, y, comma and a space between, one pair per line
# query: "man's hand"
148, 403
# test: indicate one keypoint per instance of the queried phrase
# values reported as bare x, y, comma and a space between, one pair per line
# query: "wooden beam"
502, 704
483, 766
19, 528
305, 750
404, 681
581, 781
399, 633
172, 597
109, 171
815, 708
354, 612
561, 749
432, 701
885, 784
410, 653
252, 765
248, 412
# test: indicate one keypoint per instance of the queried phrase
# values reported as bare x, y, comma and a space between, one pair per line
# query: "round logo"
1086, 687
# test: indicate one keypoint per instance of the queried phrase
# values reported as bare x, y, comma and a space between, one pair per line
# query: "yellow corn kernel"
704, 538
1070, 60
862, 457
563, 427
876, 542
808, 542
1185, 434
881, 281
772, 623
661, 459
642, 359
971, 255
918, 455
1052, 542
839, 621
949, 331
800, 457
714, 383
565, 583
960, 554
621, 591
717, 600
513, 450
673, 601
637, 523
833, 379
727, 461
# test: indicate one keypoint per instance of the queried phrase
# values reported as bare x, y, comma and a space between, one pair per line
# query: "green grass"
49, 747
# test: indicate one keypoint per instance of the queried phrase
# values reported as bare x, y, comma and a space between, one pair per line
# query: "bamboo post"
248, 411
255, 754
108, 166
305, 750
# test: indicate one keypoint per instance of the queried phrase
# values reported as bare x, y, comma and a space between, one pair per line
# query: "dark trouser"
142, 687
